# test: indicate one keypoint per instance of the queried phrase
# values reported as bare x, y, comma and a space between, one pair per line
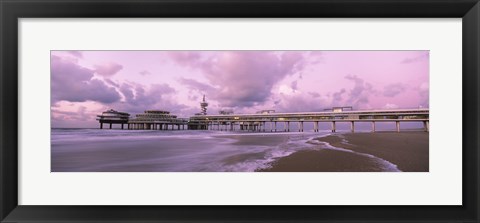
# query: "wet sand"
408, 150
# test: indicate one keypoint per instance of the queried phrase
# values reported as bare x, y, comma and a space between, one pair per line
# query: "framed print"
205, 111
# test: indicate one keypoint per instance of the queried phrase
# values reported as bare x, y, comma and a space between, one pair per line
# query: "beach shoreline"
402, 151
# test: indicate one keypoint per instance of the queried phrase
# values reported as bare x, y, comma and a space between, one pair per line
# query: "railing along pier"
258, 122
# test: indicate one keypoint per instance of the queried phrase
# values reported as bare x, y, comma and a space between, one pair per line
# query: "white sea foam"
384, 164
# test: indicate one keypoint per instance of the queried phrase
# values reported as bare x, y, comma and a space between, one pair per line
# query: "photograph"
239, 111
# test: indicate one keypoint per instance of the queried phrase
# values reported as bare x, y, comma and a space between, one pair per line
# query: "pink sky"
85, 83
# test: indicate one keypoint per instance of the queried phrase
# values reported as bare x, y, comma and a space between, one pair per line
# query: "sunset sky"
85, 83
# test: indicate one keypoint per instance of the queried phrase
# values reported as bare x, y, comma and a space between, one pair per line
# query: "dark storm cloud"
71, 82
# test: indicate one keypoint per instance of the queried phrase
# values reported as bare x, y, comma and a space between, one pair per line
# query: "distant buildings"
339, 109
265, 111
225, 112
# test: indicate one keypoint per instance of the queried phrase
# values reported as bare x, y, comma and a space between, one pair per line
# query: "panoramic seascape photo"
239, 111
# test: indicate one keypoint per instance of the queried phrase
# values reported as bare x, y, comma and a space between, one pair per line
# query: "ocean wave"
384, 164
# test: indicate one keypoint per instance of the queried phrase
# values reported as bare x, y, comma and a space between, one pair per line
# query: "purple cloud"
314, 94
392, 90
360, 93
337, 97
75, 53
186, 58
243, 78
71, 82
197, 86
107, 69
144, 72
300, 103
421, 57
294, 86
138, 98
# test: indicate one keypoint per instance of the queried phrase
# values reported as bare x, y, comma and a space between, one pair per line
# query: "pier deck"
257, 122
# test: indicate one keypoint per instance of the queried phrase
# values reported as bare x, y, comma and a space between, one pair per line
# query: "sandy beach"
409, 151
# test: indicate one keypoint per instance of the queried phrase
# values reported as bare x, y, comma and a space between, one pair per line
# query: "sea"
114, 150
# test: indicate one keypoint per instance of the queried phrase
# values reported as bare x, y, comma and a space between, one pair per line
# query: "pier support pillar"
352, 126
301, 126
264, 125
110, 125
333, 127
425, 126
275, 124
373, 126
315, 126
101, 125
398, 126
122, 125
288, 126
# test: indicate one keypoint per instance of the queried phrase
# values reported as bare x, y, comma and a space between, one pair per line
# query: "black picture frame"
12, 10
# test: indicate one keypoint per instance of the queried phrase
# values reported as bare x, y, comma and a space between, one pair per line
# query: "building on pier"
113, 117
157, 120
339, 109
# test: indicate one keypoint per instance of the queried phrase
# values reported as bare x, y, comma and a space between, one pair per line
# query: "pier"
284, 121
265, 120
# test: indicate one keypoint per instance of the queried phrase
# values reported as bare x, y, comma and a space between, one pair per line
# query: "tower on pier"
203, 106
